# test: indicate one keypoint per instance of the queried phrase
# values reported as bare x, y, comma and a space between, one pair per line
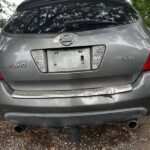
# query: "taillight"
39, 57
98, 53
1, 77
147, 64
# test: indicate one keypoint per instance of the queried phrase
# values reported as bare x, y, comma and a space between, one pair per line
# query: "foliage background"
6, 10
143, 6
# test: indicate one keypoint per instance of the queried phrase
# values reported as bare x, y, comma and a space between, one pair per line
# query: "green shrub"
143, 6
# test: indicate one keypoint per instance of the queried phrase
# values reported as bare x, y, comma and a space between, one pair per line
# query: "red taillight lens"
1, 77
147, 64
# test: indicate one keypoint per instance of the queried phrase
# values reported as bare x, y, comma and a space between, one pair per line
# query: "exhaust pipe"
133, 124
20, 128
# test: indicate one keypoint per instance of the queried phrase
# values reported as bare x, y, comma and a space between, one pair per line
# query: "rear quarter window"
51, 17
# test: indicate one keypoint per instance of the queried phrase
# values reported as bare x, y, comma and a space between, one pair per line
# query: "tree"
143, 6
6, 10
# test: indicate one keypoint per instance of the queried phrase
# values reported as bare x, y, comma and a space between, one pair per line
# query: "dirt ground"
106, 137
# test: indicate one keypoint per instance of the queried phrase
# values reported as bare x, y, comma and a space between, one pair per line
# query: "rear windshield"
62, 16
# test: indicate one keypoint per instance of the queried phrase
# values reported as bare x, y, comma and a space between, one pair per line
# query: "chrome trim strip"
72, 93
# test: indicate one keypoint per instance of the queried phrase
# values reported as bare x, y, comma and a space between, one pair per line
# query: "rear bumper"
75, 119
79, 110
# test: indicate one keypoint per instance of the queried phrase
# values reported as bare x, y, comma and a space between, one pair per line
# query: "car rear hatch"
100, 55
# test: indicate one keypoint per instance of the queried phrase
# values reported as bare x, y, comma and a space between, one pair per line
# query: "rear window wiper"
76, 24
80, 22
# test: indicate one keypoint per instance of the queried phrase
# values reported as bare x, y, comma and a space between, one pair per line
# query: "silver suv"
74, 63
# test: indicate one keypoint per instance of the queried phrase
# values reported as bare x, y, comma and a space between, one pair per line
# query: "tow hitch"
74, 135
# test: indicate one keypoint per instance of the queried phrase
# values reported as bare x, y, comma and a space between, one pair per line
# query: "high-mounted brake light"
1, 77
147, 64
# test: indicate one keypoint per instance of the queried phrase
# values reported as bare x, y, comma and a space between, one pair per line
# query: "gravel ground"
106, 137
